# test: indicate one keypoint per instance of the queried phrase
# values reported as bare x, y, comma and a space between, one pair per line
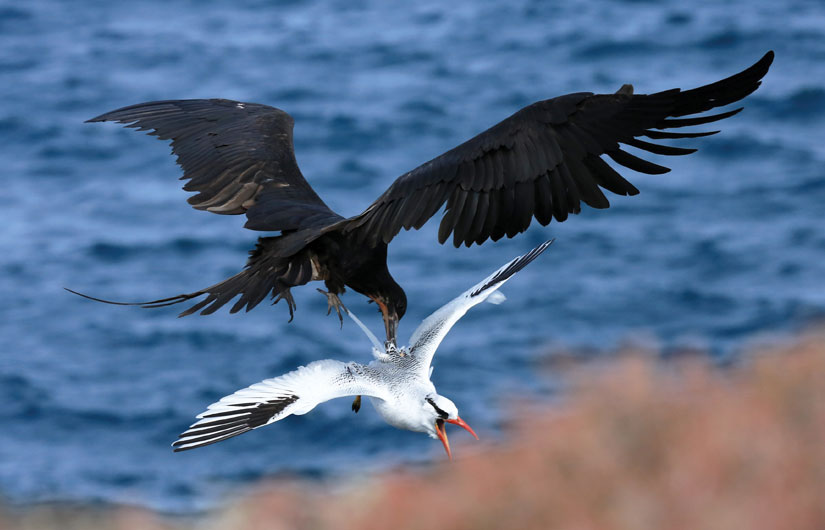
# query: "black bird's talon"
285, 294
334, 302
356, 404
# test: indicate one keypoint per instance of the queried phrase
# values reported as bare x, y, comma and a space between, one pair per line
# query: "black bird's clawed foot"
285, 294
333, 302
356, 404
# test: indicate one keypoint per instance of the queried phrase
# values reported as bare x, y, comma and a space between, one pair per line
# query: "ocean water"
726, 249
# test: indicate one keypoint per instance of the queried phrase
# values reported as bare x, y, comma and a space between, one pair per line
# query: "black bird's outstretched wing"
238, 156
545, 160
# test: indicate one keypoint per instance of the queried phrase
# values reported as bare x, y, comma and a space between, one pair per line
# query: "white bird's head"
438, 410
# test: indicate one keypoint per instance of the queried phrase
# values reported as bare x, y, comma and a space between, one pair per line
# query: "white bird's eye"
438, 411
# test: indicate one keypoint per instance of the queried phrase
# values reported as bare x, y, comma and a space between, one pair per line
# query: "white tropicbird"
397, 381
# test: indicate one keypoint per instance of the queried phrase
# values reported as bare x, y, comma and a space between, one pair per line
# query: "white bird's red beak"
442, 433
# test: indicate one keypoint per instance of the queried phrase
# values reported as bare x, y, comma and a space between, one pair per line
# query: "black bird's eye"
438, 411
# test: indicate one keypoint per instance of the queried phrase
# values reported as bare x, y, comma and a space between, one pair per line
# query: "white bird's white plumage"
397, 381
296, 392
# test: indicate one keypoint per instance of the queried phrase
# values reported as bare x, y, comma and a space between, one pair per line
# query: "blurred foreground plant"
638, 444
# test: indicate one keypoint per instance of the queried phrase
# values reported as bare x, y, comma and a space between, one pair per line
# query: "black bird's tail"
273, 269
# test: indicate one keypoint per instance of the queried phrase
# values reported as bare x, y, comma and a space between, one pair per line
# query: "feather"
658, 149
543, 200
688, 122
524, 206
586, 185
607, 177
559, 195
635, 163
573, 195
490, 219
479, 219
466, 216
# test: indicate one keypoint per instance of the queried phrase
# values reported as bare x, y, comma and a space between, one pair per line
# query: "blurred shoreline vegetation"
637, 443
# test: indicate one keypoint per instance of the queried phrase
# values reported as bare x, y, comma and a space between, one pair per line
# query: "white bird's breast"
406, 391
398, 414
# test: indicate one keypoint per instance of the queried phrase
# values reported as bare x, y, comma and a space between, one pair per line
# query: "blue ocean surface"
727, 249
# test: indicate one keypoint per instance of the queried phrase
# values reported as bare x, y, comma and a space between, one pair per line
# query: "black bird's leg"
334, 302
356, 405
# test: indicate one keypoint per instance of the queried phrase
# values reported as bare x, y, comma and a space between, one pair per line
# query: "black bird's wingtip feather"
111, 115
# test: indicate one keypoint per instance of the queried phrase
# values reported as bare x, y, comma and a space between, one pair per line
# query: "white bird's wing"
429, 334
296, 392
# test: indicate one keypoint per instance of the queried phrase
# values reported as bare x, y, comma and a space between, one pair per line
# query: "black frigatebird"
544, 161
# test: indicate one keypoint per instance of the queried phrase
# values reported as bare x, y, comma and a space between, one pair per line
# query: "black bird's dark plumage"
545, 160
542, 162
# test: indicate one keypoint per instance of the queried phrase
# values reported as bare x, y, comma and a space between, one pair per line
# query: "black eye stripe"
437, 410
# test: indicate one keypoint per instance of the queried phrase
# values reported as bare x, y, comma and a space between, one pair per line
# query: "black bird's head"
373, 280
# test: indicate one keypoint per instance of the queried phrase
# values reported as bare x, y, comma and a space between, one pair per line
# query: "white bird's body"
397, 381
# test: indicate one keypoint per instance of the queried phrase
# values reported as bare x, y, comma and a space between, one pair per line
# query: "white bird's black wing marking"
429, 334
296, 392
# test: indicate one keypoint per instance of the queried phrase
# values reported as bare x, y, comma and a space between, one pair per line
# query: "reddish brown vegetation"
637, 445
